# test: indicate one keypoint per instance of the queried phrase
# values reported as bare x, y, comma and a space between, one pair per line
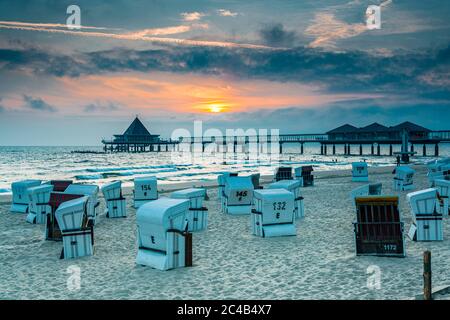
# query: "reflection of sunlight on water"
18, 163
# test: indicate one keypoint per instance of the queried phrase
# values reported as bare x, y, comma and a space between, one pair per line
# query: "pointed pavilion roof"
137, 128
344, 129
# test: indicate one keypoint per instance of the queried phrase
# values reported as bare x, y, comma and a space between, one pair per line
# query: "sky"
297, 66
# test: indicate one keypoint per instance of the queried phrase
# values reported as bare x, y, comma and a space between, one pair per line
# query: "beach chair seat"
39, 207
307, 176
273, 213
238, 195
20, 199
91, 191
360, 172
52, 230
60, 185
197, 216
115, 202
298, 175
283, 173
293, 186
403, 179
163, 240
371, 189
145, 190
443, 188
427, 223
77, 237
378, 228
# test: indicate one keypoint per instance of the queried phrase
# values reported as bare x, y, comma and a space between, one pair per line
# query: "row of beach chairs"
379, 229
165, 224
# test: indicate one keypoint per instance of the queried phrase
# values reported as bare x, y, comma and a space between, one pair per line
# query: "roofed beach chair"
238, 195
283, 173
20, 199
221, 180
443, 188
115, 202
371, 189
60, 185
273, 213
90, 191
438, 169
360, 172
163, 240
378, 227
197, 216
427, 223
403, 179
39, 207
293, 186
52, 230
77, 237
145, 190
307, 176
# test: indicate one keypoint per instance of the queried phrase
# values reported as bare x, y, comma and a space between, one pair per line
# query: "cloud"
275, 35
192, 16
142, 35
327, 29
96, 107
166, 31
227, 13
37, 104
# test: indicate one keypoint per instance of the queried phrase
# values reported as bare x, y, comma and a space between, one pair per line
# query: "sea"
95, 167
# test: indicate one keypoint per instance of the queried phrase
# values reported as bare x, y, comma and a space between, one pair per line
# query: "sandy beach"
229, 262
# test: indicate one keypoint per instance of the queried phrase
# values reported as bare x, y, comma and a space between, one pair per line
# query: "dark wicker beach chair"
60, 185
284, 173
52, 231
378, 228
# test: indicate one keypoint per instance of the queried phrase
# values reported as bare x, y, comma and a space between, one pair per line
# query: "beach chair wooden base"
238, 210
116, 208
178, 253
427, 228
19, 208
400, 186
77, 244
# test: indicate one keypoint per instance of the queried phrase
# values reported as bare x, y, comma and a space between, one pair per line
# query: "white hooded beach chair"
221, 181
294, 187
438, 169
197, 216
90, 191
371, 189
360, 172
238, 195
427, 223
115, 202
273, 213
78, 240
443, 188
39, 207
403, 179
145, 190
163, 240
20, 199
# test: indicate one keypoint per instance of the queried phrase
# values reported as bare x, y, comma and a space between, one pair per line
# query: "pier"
348, 138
